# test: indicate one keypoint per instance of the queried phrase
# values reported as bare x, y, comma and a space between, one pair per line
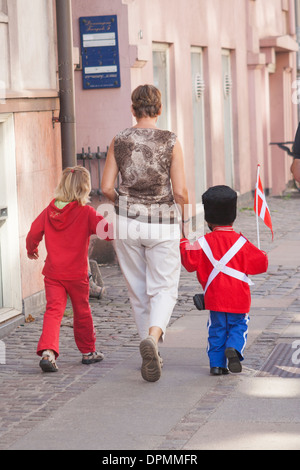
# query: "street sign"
100, 52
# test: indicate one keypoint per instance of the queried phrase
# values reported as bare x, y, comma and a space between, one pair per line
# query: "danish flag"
261, 207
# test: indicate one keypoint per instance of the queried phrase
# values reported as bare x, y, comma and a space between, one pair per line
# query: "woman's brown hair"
75, 185
146, 101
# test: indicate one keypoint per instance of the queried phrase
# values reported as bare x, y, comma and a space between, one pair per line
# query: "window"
3, 6
4, 55
161, 79
228, 128
198, 88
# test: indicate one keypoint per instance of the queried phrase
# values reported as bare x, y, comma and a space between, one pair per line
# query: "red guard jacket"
225, 293
67, 233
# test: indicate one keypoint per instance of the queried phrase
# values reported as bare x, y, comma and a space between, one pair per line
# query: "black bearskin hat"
220, 205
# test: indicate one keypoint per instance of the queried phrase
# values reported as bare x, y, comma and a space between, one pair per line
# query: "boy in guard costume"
223, 259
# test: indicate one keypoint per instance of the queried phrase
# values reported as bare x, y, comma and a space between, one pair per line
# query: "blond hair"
75, 185
146, 101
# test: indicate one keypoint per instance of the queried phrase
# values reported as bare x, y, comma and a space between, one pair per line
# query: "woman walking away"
151, 165
67, 224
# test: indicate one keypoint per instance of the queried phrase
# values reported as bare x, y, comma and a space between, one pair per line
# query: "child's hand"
186, 229
35, 256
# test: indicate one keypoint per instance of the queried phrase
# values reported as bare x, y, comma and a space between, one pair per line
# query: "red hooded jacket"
224, 294
67, 234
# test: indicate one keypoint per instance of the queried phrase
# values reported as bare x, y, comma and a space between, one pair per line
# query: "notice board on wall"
100, 52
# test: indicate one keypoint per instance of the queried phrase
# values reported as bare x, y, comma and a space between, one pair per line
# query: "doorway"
228, 127
161, 78
10, 272
198, 88
1, 294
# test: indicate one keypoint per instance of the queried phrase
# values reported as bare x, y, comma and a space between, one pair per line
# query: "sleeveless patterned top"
144, 158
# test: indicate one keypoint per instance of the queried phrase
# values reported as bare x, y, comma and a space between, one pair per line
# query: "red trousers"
56, 296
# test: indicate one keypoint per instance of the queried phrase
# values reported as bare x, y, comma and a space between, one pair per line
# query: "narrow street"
108, 406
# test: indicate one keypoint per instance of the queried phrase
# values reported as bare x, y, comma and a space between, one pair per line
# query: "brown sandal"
48, 364
92, 358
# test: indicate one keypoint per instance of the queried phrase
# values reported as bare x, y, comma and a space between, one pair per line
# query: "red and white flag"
261, 207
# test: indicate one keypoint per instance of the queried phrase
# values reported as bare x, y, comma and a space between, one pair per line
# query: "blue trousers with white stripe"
226, 330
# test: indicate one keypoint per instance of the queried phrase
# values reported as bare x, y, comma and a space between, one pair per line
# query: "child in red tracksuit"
67, 224
223, 260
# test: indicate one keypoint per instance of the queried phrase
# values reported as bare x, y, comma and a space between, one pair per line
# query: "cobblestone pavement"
28, 397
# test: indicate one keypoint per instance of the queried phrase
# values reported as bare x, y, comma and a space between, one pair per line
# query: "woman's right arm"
178, 180
110, 174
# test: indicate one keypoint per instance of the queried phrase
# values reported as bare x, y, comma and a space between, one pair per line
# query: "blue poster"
100, 52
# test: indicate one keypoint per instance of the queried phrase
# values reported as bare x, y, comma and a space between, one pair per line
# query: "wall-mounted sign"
100, 52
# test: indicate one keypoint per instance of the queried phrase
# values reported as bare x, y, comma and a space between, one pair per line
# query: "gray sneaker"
152, 362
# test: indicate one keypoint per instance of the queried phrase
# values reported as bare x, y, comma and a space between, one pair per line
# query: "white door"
2, 205
228, 128
1, 295
198, 88
161, 80
10, 272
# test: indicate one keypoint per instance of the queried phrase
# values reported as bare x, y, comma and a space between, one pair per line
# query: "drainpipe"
66, 81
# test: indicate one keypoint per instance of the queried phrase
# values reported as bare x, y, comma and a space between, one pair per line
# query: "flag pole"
257, 217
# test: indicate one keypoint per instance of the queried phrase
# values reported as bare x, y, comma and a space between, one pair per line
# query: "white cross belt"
221, 265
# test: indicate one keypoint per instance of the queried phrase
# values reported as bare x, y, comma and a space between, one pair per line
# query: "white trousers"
149, 258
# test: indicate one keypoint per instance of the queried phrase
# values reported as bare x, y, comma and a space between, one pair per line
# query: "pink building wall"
261, 38
39, 166
100, 113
